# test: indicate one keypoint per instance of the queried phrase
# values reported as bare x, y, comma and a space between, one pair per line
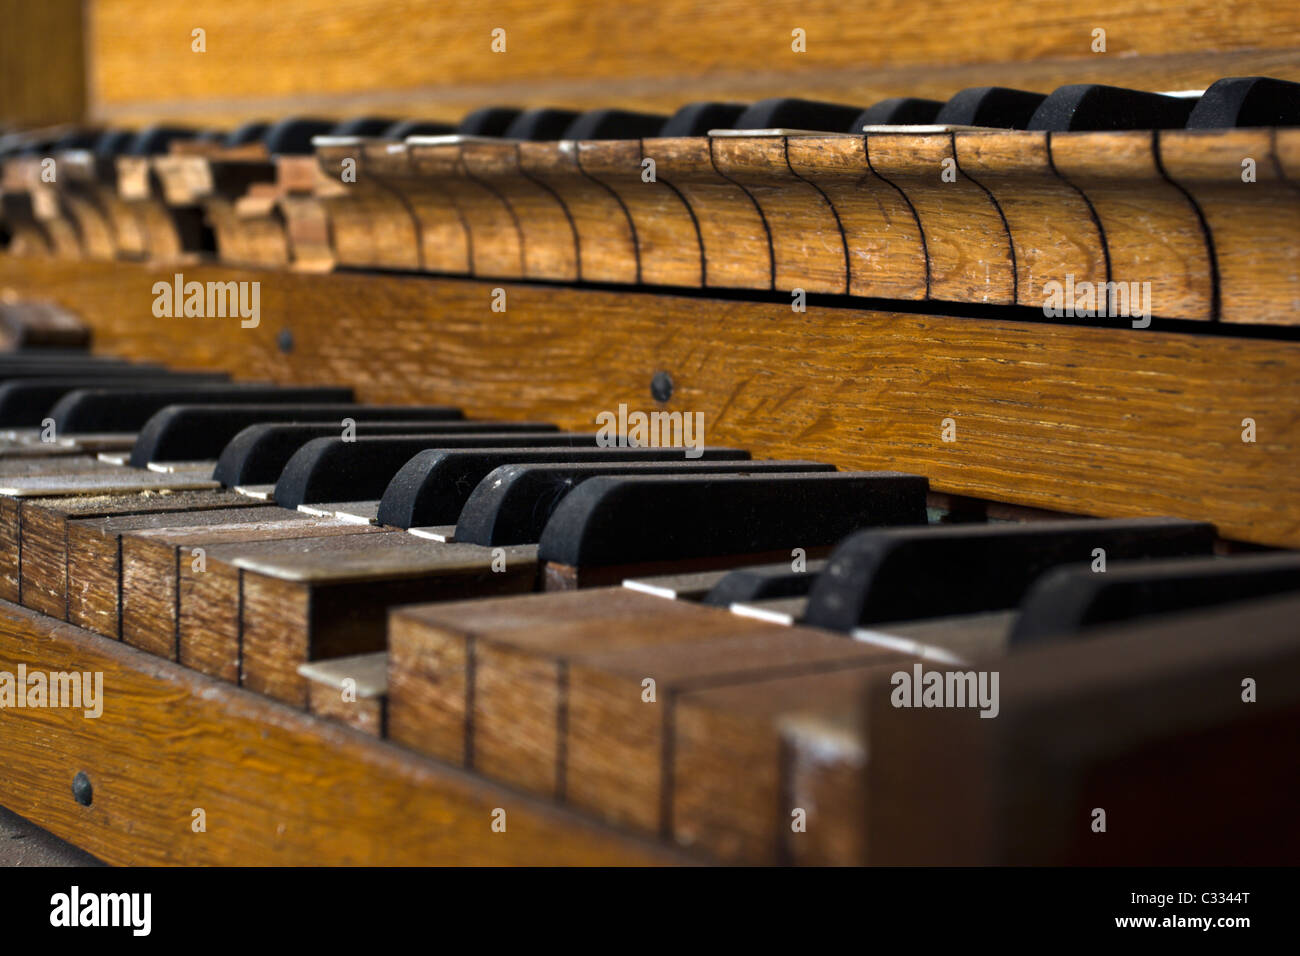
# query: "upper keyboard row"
1228, 103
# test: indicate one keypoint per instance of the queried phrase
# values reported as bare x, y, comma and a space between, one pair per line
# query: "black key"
113, 142
898, 111
489, 121
200, 432
615, 124
331, 469
253, 132
786, 113
434, 486
1244, 101
126, 408
40, 146
623, 521
362, 126
293, 136
258, 454
73, 370
1091, 106
763, 582
917, 573
406, 128
57, 353
696, 119
512, 504
77, 139
155, 140
26, 402
541, 124
995, 106
1068, 600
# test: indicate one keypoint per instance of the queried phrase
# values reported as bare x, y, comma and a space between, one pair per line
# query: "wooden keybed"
926, 307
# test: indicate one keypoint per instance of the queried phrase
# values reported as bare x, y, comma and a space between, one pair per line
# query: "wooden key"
433, 649
105, 482
264, 608
34, 530
151, 560
668, 243
550, 692
825, 759
40, 325
792, 209
730, 794
352, 690
20, 465
1167, 245
94, 558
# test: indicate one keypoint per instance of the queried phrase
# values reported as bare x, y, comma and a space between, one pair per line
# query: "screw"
82, 791
285, 340
661, 386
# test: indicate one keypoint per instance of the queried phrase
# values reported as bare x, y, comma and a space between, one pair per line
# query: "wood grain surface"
434, 60
42, 62
95, 562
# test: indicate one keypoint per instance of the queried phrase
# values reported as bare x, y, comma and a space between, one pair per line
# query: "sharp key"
1072, 600
433, 487
995, 106
1092, 106
512, 504
612, 528
907, 574
1247, 101
257, 455
194, 432
127, 408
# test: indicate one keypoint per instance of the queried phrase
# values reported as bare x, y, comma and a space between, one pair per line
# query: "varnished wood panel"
1077, 419
277, 787
42, 62
303, 56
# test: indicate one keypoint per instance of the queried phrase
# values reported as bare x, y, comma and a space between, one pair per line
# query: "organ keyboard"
990, 527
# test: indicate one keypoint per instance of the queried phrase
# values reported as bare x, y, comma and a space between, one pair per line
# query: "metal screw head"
661, 386
82, 791
285, 340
